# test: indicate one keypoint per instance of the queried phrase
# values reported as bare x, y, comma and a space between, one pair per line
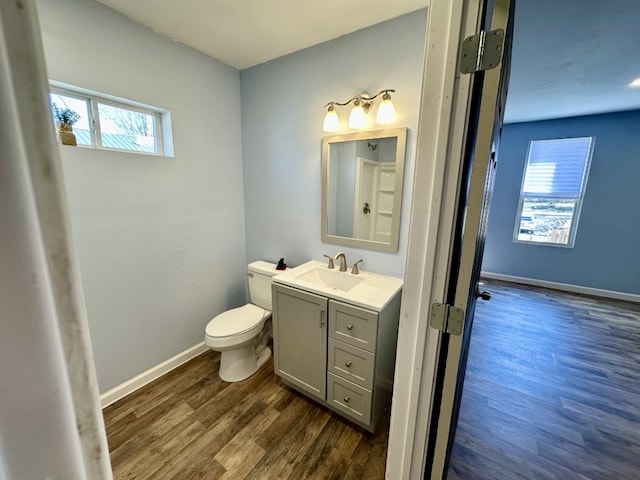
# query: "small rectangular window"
112, 125
552, 190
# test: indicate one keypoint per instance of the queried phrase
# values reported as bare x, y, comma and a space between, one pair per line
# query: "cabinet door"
300, 339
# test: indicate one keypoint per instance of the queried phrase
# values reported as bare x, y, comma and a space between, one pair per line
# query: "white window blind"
557, 167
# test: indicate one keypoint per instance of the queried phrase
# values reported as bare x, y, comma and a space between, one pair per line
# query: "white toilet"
239, 333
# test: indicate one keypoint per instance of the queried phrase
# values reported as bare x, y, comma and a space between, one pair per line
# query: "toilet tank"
260, 274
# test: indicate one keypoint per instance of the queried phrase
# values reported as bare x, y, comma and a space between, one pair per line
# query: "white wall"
282, 113
161, 241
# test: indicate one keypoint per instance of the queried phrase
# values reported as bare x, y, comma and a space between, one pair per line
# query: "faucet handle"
330, 266
355, 270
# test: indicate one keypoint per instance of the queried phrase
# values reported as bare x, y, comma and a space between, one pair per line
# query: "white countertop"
373, 292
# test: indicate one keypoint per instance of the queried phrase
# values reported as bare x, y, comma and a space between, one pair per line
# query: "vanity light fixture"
386, 110
361, 105
358, 117
331, 122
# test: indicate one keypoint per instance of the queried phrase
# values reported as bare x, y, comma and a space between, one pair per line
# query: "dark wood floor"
552, 389
191, 425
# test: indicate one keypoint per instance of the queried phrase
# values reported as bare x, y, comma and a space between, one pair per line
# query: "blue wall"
282, 112
606, 254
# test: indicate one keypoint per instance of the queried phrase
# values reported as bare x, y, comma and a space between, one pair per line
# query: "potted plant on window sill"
65, 118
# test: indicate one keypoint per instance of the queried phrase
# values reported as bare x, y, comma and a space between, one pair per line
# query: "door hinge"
482, 51
447, 318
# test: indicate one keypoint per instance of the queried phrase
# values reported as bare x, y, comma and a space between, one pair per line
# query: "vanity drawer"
352, 363
353, 325
348, 398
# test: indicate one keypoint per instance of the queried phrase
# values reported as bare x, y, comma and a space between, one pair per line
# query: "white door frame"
440, 147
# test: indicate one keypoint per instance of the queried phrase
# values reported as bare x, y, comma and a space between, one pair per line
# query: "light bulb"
386, 111
331, 122
357, 118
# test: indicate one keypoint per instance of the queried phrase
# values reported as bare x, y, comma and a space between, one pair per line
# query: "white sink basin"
367, 289
330, 278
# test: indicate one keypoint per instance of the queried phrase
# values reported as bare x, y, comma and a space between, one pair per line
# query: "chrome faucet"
343, 261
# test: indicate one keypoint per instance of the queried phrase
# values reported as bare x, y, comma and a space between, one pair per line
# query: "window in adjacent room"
553, 187
113, 125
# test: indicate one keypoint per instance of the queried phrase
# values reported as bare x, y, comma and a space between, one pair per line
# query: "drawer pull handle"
346, 399
347, 363
350, 326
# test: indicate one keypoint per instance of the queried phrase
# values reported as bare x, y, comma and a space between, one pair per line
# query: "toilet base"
240, 363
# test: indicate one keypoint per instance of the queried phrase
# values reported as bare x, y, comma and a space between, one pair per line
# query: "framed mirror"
362, 179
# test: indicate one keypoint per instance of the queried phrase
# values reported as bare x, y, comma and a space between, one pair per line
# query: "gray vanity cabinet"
300, 339
339, 354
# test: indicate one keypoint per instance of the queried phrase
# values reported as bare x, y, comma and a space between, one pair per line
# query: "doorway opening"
551, 382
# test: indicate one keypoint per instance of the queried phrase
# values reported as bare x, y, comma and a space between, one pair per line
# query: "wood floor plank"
211, 439
146, 462
552, 388
354, 472
153, 394
284, 453
297, 409
198, 467
216, 407
235, 456
325, 457
143, 435
242, 459
333, 467
220, 433
192, 425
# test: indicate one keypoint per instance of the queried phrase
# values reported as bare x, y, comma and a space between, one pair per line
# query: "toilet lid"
235, 321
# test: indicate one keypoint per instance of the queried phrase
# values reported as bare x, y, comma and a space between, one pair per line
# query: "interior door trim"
471, 225
440, 145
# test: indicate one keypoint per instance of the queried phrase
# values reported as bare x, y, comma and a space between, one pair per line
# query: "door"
300, 339
475, 189
373, 208
365, 202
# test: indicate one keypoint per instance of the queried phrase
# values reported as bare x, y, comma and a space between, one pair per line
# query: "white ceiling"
244, 33
570, 57
573, 57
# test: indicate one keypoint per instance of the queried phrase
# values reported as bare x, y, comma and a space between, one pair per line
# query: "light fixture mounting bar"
367, 98
362, 97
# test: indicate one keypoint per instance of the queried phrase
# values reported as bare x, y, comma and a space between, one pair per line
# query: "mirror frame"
392, 246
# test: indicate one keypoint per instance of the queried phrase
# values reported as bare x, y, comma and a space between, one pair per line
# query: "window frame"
579, 198
92, 100
85, 98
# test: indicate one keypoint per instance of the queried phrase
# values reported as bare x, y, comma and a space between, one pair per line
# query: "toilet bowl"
241, 334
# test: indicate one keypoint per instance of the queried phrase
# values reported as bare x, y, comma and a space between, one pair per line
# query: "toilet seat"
236, 321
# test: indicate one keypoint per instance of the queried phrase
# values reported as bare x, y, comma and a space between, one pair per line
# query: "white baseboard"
130, 386
596, 292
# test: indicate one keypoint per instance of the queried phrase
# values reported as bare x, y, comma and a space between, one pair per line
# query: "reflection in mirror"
362, 188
